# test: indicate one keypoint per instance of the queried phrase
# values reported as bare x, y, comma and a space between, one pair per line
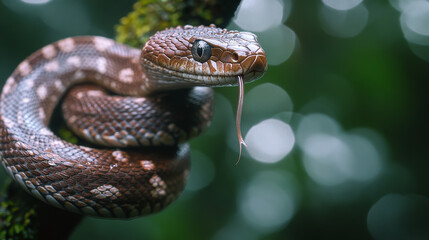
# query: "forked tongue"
240, 81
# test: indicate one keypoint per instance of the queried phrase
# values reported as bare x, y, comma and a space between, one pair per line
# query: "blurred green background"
337, 128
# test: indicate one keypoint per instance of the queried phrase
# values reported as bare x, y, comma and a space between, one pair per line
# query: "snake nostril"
235, 56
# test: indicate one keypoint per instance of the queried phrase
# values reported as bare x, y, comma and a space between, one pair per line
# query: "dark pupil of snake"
200, 50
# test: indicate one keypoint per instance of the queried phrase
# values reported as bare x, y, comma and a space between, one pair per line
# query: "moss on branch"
149, 16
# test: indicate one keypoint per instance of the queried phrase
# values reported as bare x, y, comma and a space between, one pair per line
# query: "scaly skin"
150, 169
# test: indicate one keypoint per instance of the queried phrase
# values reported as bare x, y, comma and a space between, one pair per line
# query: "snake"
134, 108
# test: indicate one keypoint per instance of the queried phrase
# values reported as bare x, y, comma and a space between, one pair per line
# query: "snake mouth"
225, 74
219, 80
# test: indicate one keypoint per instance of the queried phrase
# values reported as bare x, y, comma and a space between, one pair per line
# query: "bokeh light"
270, 141
36, 1
397, 217
402, 5
279, 43
261, 103
269, 201
255, 15
416, 17
331, 156
316, 123
287, 9
342, 4
265, 100
339, 23
327, 159
266, 18
420, 51
414, 22
367, 162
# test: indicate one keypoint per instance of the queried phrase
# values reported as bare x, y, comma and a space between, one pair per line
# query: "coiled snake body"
137, 162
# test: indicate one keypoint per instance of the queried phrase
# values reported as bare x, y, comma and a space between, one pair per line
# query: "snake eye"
201, 51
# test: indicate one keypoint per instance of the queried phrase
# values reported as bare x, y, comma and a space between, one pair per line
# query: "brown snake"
137, 161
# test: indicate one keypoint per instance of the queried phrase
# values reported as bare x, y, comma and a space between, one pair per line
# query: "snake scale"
135, 108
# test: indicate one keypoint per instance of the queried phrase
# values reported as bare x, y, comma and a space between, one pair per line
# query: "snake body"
121, 100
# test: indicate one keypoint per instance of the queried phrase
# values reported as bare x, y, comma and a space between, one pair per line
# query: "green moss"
147, 17
67, 135
16, 222
150, 16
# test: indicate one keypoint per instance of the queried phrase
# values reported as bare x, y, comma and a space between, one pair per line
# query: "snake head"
202, 56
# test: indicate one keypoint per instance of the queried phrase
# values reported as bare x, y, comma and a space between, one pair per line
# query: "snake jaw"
159, 82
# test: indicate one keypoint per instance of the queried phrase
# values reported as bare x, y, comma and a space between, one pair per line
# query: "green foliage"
16, 222
148, 17
67, 135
